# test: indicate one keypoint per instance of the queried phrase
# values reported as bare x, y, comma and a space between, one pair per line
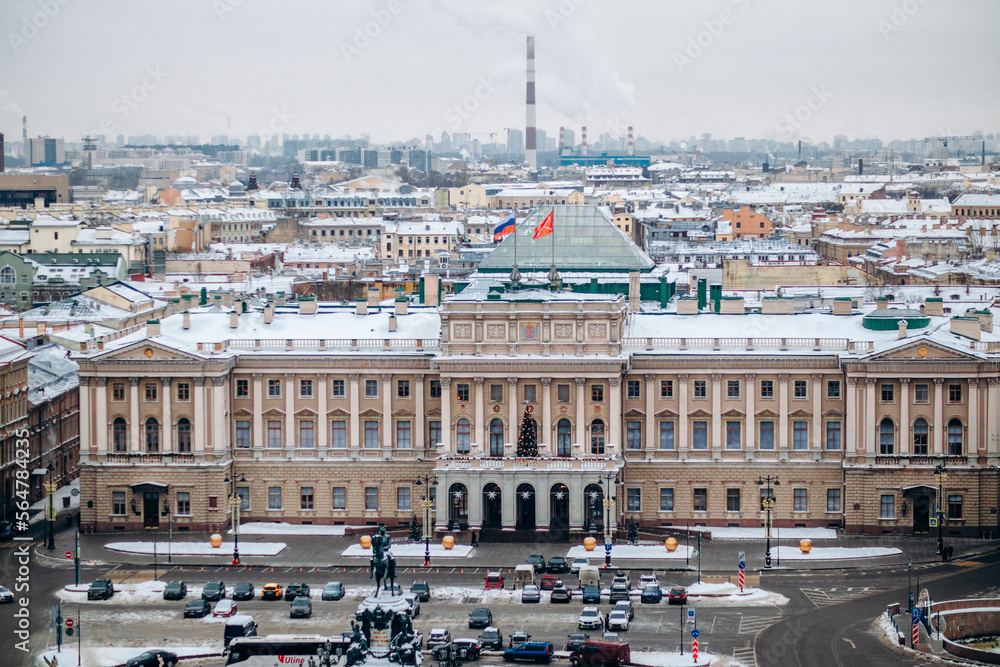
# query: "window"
403, 499
152, 435
888, 393
766, 440
243, 493
562, 393
597, 437
184, 503
339, 498
306, 434
337, 389
887, 506
434, 433
886, 436
183, 391
306, 498
563, 445
732, 500
274, 497
371, 388
273, 434
920, 393
633, 500
800, 389
733, 435
496, 393
117, 391
435, 388
402, 388
800, 435
8, 276
920, 436
403, 435
118, 503
666, 500
732, 389
463, 436
767, 388
183, 435
632, 387
242, 388
699, 435
954, 507
701, 500
529, 393
800, 500
371, 434
496, 437
666, 435
339, 434
833, 389
305, 388
700, 389
371, 497
151, 391
462, 392
274, 388
955, 437
833, 500
666, 388
597, 393
633, 435
119, 434
954, 393
243, 433
833, 435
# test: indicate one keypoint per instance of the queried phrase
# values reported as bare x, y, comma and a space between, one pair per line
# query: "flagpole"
515, 275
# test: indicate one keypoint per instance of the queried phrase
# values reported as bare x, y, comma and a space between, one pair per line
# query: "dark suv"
491, 638
175, 590
214, 590
293, 591
480, 618
422, 590
101, 589
538, 560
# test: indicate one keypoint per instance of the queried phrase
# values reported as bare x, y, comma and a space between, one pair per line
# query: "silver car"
530, 593
414, 601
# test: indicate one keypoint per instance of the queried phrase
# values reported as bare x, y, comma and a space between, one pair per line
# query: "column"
615, 418
870, 443
512, 406
419, 420
938, 416
480, 438
441, 513
974, 444
546, 431
220, 412
387, 434
322, 422
134, 443
89, 424
581, 426
167, 430
576, 504
508, 503
783, 413
992, 411
682, 410
905, 444
446, 419
716, 444
290, 411
475, 502
650, 407
258, 410
355, 381
543, 514
851, 417
199, 415
750, 388
817, 413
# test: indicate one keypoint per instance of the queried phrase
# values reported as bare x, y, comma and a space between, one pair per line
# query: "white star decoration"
594, 495
526, 495
560, 495
492, 495
458, 495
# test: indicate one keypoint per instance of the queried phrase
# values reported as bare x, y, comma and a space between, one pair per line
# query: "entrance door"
921, 513
559, 504
150, 509
593, 498
492, 506
526, 506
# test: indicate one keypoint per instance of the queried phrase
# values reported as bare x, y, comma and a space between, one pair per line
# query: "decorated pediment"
242, 412
273, 413
371, 413
833, 413
799, 413
403, 412
306, 412
767, 414
436, 412
148, 350
338, 412
703, 414
734, 414
666, 412
635, 413
922, 349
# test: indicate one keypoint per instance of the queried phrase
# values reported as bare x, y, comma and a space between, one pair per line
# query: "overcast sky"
399, 69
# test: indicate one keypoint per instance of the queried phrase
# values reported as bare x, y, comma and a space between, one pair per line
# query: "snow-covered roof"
50, 373
977, 200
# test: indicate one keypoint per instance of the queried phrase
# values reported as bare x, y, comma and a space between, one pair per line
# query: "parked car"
214, 590
175, 590
575, 641
243, 591
224, 609
293, 591
647, 579
560, 595
6, 530
394, 589
530, 652
101, 589
549, 581
617, 620
197, 609
622, 578
157, 658
591, 594
491, 638
494, 580
422, 590
271, 592
618, 592
651, 594
519, 637
577, 563
301, 607
530, 593
601, 654
589, 575
438, 637
6, 595
537, 561
677, 595
240, 625
334, 590
610, 636
627, 607
467, 649
480, 617
590, 619
557, 565
524, 574
414, 602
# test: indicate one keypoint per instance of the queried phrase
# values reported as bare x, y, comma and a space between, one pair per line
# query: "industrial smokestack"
861, 167
562, 139
631, 143
800, 148
1, 153
583, 139
24, 131
531, 153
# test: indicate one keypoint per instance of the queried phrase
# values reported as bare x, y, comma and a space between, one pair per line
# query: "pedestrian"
475, 542
951, 552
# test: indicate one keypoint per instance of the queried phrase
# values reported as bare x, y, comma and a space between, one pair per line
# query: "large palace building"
328, 414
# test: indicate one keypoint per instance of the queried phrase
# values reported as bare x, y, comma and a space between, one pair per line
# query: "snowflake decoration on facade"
492, 495
526, 495
560, 495
458, 496
594, 495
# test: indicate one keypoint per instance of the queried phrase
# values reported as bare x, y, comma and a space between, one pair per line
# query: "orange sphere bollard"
589, 543
366, 542
215, 540
671, 544
805, 546
448, 542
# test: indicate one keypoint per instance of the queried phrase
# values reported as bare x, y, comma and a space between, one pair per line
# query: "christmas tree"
633, 532
527, 439
414, 530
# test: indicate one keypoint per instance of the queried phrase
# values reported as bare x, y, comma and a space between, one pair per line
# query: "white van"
524, 575
589, 576
240, 625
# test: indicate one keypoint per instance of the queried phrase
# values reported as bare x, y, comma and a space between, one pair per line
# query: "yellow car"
271, 592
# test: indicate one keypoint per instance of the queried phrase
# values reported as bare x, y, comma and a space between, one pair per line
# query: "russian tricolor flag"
504, 227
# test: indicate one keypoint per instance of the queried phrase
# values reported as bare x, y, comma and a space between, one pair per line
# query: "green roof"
583, 238
74, 258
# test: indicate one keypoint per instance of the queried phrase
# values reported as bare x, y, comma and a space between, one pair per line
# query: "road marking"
968, 563
753, 624
745, 655
849, 642
824, 596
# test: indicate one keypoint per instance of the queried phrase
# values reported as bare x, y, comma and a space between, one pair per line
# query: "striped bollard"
742, 580
916, 634
694, 649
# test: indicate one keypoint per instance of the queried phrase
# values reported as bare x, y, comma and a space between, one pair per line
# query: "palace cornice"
914, 367
184, 367
553, 366
324, 364
669, 363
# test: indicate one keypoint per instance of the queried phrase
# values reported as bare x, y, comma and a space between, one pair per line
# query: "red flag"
545, 228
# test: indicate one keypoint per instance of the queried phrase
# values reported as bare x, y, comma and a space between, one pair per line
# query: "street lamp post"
941, 475
909, 589
609, 502
768, 504
235, 503
170, 529
50, 488
426, 502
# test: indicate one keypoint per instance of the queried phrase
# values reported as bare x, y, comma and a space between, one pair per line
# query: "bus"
281, 650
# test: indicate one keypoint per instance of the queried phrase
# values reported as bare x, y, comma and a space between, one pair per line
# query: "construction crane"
944, 142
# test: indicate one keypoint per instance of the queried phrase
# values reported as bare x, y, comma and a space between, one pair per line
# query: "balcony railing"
823, 344
535, 463
921, 460
143, 457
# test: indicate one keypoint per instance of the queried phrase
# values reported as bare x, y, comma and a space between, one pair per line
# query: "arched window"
886, 434
955, 430
496, 437
920, 436
8, 276
597, 437
463, 436
152, 435
119, 434
183, 435
563, 445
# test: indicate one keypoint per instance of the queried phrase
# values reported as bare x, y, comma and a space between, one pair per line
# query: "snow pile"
413, 550
834, 553
674, 659
635, 552
107, 656
733, 533
197, 548
728, 595
140, 593
262, 528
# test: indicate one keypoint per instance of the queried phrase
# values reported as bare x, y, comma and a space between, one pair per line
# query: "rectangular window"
954, 393
562, 393
666, 500
766, 435
274, 434
633, 389
888, 393
633, 434
435, 389
462, 393
118, 503
403, 500
920, 437
887, 506
183, 391
306, 434
371, 497
800, 500
371, 434
434, 428
666, 388
732, 500
666, 435
800, 435
833, 500
337, 389
243, 433
833, 389
151, 391
339, 498
833, 435
732, 389
184, 503
767, 388
733, 435
274, 388
634, 500
243, 493
306, 498
274, 497
530, 393
699, 435
701, 500
955, 507
800, 389
117, 391
339, 434
597, 393
402, 388
305, 388
920, 393
371, 388
496, 393
403, 435
700, 389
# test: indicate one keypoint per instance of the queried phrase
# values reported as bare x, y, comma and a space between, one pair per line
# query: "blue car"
651, 594
530, 652
591, 594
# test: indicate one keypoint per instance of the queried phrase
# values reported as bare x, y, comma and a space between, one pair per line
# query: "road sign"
743, 565
743, 557
74, 492
695, 633
690, 616
607, 547
69, 622
69, 554
933, 522
915, 612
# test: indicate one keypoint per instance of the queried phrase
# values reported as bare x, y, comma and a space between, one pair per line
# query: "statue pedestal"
388, 602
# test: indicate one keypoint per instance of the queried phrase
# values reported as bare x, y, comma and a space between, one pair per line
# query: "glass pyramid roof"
583, 239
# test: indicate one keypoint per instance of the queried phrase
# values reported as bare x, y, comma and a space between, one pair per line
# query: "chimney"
402, 303
631, 143
967, 327
362, 307
432, 285
20, 327
186, 321
392, 323
39, 203
530, 152
282, 300
902, 329
40, 327
307, 305
268, 312
633, 291
234, 320
152, 328
373, 296
881, 303
934, 306
583, 140
843, 305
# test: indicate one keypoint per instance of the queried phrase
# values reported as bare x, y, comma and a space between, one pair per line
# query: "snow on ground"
263, 528
106, 656
634, 552
834, 553
664, 659
57, 501
729, 595
414, 550
730, 533
197, 548
140, 593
